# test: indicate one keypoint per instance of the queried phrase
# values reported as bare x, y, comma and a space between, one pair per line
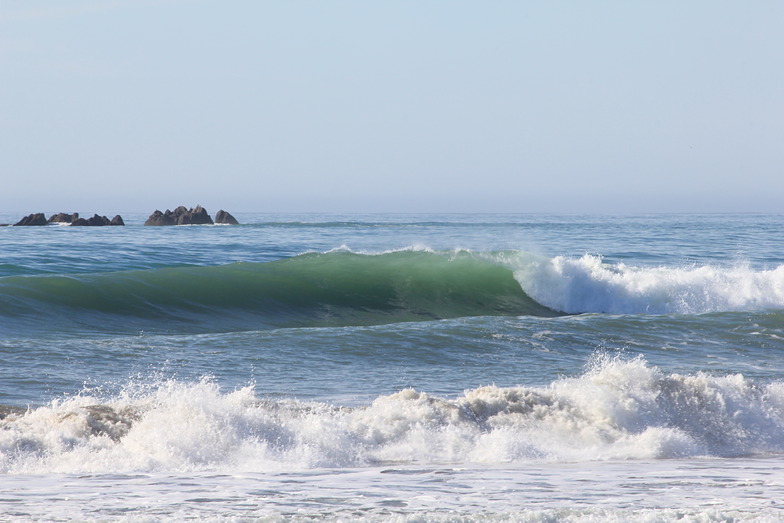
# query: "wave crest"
587, 284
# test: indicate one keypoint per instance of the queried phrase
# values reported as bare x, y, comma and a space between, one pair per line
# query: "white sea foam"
587, 284
619, 409
668, 490
417, 247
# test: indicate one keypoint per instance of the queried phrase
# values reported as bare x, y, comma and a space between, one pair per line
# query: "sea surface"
478, 367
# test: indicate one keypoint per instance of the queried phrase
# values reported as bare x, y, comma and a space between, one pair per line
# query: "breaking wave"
343, 288
619, 409
588, 284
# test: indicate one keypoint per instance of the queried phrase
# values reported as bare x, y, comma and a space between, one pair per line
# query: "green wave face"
332, 289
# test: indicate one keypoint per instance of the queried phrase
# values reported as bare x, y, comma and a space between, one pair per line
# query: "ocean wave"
346, 288
588, 284
316, 289
619, 409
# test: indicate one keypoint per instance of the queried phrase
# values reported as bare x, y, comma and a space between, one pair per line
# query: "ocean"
478, 367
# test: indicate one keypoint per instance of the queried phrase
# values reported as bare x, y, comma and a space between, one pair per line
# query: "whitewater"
395, 368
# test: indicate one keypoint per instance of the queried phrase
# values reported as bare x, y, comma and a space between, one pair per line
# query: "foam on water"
670, 490
587, 284
618, 409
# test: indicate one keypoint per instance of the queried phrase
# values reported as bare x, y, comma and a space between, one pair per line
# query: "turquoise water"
349, 346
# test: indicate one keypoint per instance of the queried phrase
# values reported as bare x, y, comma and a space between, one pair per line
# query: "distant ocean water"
395, 367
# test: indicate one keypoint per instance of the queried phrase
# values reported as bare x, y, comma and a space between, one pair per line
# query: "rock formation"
225, 218
159, 218
180, 216
62, 217
33, 219
72, 219
196, 216
97, 221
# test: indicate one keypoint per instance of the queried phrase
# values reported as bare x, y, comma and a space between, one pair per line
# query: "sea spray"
618, 409
588, 284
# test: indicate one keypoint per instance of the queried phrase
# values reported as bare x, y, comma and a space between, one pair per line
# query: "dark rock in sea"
195, 216
180, 216
33, 219
98, 221
159, 218
225, 218
62, 217
73, 219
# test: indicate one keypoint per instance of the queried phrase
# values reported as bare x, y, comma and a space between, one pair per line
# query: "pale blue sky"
404, 106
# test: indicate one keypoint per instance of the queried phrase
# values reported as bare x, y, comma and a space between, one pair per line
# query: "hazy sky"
357, 106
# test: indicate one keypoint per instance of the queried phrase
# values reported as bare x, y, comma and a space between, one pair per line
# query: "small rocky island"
179, 216
98, 221
71, 219
225, 218
195, 216
32, 219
